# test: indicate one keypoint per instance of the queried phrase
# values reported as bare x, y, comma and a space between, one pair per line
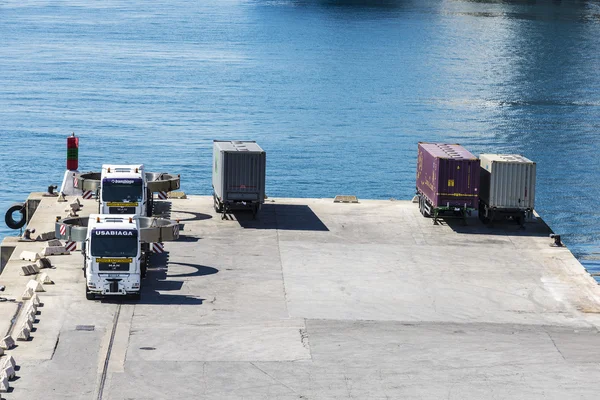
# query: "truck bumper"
115, 285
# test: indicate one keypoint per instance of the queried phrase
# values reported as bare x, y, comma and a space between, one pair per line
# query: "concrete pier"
316, 300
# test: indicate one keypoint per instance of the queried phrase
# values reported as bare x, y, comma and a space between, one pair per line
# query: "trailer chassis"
429, 211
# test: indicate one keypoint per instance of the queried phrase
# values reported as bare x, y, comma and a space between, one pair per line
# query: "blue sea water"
337, 92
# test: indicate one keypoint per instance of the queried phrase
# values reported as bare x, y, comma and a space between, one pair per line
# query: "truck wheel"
89, 295
136, 296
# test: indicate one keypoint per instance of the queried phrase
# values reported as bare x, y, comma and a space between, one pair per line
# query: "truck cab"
123, 190
113, 256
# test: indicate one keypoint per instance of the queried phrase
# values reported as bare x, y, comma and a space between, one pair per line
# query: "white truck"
123, 190
126, 189
113, 256
114, 249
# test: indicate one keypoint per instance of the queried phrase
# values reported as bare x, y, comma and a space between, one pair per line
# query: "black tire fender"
8, 217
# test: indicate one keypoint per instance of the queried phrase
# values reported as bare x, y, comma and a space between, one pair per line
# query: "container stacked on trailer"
507, 187
447, 180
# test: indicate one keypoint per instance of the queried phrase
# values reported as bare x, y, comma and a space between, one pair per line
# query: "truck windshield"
105, 244
122, 190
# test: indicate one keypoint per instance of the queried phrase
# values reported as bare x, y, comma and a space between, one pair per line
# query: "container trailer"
507, 187
238, 177
447, 180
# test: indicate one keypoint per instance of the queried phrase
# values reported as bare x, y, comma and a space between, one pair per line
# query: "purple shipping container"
448, 175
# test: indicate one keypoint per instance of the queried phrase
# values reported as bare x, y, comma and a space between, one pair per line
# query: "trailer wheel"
422, 208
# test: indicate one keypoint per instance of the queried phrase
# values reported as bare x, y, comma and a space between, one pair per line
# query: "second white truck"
123, 190
126, 189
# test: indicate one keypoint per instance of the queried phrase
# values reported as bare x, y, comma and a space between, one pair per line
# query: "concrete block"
8, 360
30, 269
55, 250
73, 206
27, 325
45, 236
30, 256
7, 343
35, 300
54, 242
27, 294
9, 371
35, 286
24, 334
44, 262
45, 279
31, 307
4, 386
27, 270
31, 315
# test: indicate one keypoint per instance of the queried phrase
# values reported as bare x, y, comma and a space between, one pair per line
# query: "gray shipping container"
238, 178
507, 181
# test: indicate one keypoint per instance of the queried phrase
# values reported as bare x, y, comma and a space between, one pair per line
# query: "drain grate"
147, 348
85, 327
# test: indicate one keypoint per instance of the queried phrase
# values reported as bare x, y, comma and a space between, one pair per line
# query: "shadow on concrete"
292, 217
187, 238
503, 228
194, 216
201, 270
159, 280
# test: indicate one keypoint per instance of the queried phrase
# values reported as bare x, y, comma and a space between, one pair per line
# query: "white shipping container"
238, 171
507, 181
